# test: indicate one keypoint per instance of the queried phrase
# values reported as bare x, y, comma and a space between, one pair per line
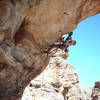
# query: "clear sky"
85, 55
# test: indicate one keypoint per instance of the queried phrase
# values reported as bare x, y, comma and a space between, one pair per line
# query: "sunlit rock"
96, 91
27, 29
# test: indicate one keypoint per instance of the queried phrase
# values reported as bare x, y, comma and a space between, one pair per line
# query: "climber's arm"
70, 34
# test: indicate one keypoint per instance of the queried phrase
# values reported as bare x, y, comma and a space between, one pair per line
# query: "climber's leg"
66, 50
51, 47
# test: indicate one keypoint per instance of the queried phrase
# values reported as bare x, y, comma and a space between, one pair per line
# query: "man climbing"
68, 41
63, 44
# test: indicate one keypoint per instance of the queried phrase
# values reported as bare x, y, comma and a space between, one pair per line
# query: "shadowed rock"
27, 28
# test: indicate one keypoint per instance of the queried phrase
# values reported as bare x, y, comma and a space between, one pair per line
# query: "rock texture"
96, 91
59, 81
86, 92
27, 28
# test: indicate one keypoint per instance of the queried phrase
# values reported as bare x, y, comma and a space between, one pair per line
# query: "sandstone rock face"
86, 92
27, 28
54, 82
96, 91
59, 81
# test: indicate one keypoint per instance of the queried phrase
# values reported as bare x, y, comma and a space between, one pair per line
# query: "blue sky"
85, 55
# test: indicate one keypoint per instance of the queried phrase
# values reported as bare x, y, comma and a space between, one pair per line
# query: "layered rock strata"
29, 27
59, 81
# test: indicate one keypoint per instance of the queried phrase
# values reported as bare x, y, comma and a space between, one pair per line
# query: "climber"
54, 45
63, 44
68, 41
69, 36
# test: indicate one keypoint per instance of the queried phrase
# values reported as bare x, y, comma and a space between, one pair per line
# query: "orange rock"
34, 25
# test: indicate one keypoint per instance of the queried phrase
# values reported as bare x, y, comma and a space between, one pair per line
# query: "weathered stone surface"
59, 81
86, 93
27, 28
77, 93
96, 91
54, 82
17, 68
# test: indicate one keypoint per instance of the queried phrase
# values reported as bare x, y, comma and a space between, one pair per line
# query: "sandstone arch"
40, 23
